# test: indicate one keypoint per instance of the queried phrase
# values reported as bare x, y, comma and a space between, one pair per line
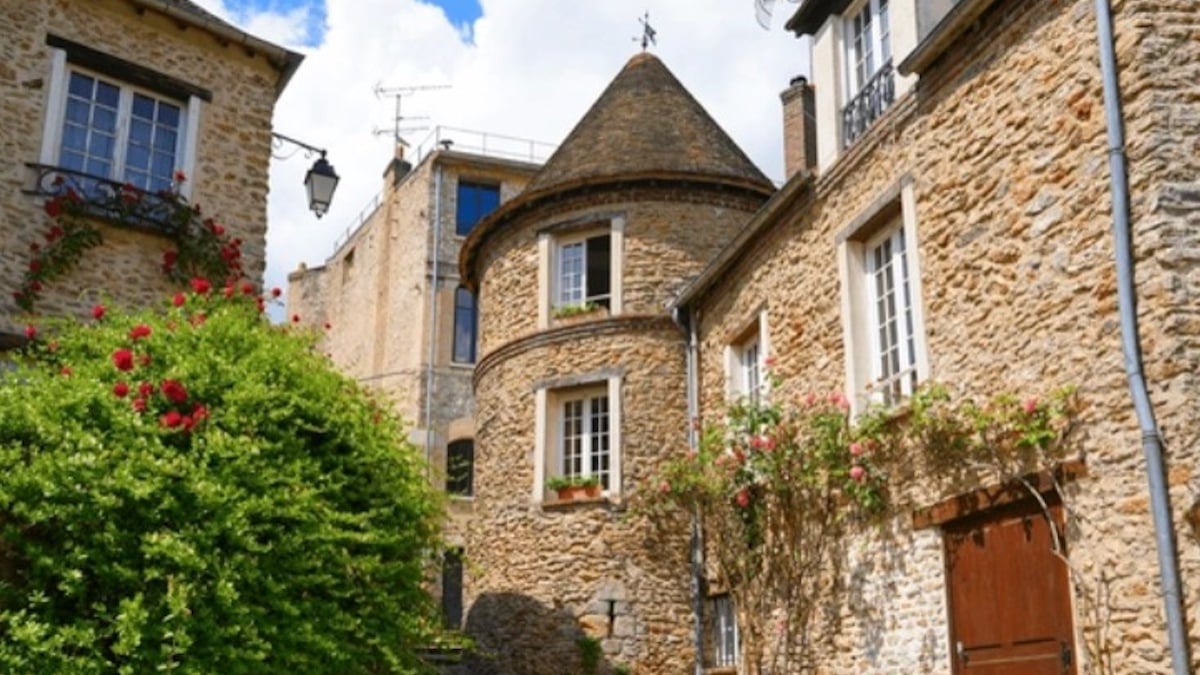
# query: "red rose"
247, 288
120, 390
178, 300
295, 318
171, 419
66, 371
34, 246
229, 291
169, 258
53, 207
145, 390
123, 359
328, 325
55, 233
31, 331
275, 292
187, 422
201, 286
218, 229
179, 176
98, 312
35, 266
139, 404
174, 391
139, 331
199, 412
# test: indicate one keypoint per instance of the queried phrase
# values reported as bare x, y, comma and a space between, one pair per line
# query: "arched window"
464, 326
460, 468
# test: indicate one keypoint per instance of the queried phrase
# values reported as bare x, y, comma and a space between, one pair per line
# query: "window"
475, 201
723, 632
452, 588
745, 363
578, 431
460, 468
465, 329
102, 126
584, 272
890, 306
584, 439
870, 83
881, 301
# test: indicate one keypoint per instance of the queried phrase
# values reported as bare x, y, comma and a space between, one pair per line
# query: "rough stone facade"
1003, 142
229, 175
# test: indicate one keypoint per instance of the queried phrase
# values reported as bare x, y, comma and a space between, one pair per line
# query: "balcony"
869, 104
109, 200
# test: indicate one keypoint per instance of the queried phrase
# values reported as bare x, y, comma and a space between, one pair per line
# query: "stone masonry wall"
1005, 143
229, 179
539, 576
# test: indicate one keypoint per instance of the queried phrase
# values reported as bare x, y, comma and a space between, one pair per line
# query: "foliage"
564, 311
590, 653
777, 490
202, 247
197, 491
562, 482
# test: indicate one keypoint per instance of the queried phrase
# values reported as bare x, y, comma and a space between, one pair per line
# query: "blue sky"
461, 13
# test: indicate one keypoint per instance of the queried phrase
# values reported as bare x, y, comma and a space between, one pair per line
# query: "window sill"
723, 670
462, 365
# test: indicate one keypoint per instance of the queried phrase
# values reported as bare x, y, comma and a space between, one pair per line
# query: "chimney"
399, 167
799, 128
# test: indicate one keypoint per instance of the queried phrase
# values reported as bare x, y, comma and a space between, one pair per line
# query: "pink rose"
856, 449
743, 498
664, 487
1030, 405
858, 473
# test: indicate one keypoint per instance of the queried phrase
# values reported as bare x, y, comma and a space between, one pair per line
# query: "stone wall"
1004, 141
229, 179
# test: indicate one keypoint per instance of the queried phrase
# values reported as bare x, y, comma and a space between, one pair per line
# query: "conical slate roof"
646, 122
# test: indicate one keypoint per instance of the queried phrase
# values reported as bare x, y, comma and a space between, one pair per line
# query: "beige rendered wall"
229, 179
1004, 142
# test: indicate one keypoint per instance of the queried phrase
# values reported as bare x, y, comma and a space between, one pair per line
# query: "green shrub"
195, 490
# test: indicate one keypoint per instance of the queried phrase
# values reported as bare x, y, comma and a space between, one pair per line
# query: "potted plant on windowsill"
573, 488
568, 314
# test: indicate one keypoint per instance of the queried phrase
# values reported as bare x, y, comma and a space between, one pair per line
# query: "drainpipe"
433, 315
684, 319
1131, 345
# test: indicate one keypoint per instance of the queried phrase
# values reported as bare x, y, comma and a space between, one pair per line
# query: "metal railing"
871, 101
361, 219
108, 199
483, 143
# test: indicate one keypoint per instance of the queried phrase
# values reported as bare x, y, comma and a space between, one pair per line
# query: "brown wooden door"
1010, 608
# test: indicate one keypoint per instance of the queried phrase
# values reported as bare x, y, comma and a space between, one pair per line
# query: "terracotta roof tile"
646, 122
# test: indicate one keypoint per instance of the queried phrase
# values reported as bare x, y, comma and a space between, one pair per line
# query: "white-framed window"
583, 271
882, 317
723, 632
578, 432
870, 80
100, 126
580, 266
745, 363
890, 307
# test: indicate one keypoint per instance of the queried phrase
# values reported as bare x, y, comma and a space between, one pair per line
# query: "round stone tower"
582, 380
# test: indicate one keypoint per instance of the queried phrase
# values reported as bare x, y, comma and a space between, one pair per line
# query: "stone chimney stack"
799, 128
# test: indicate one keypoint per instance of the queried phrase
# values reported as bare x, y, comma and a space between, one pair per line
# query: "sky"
520, 68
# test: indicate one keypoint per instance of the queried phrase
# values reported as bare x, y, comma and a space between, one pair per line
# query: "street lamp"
320, 181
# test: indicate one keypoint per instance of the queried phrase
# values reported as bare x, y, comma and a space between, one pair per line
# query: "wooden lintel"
992, 496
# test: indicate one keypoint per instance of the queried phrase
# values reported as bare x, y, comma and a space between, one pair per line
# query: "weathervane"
648, 32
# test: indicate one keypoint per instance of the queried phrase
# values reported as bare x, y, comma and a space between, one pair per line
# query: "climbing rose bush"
195, 490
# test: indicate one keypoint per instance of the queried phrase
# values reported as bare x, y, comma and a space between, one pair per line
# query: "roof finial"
648, 32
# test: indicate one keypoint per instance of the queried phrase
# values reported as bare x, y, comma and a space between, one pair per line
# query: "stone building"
582, 379
948, 183
397, 317
129, 91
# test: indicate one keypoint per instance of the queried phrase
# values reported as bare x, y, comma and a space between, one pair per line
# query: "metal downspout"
433, 314
684, 318
1131, 345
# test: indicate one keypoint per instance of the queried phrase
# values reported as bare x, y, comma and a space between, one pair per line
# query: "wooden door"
1010, 608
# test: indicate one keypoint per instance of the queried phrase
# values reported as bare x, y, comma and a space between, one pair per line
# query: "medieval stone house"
129, 91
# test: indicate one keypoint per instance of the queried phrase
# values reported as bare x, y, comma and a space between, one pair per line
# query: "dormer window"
870, 80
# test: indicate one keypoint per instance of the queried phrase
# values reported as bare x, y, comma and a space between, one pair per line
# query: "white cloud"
534, 68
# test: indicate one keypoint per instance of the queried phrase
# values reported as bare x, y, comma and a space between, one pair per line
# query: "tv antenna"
399, 93
648, 33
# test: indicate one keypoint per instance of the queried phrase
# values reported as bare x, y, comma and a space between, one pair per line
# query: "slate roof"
646, 122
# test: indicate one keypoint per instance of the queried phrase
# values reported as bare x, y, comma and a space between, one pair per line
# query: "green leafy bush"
195, 490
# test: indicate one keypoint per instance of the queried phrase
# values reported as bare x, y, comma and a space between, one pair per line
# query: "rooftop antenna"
648, 32
397, 130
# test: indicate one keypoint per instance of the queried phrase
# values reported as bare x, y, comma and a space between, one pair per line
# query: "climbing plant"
778, 489
200, 245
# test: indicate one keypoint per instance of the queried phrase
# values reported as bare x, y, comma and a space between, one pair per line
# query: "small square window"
474, 202
583, 274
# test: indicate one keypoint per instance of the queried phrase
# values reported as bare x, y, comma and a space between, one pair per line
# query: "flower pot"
572, 493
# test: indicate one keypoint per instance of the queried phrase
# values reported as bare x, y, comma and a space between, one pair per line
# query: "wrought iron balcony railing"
108, 199
871, 101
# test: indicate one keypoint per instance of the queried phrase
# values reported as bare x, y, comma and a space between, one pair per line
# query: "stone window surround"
899, 199
550, 236
66, 56
753, 330
548, 397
